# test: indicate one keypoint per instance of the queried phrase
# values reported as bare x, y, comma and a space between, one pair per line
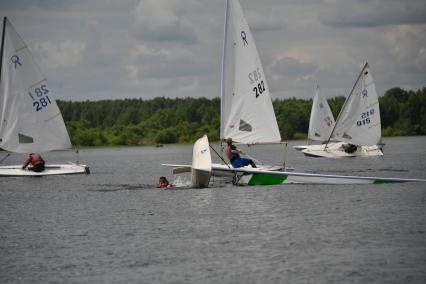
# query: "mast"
222, 85
344, 104
2, 45
315, 86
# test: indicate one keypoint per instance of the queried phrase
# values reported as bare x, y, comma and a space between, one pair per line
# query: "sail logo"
244, 38
203, 151
15, 61
327, 120
364, 93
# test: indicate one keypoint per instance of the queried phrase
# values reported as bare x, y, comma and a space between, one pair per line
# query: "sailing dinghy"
358, 126
321, 121
30, 120
202, 169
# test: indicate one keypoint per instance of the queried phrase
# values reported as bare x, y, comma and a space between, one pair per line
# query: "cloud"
142, 48
372, 13
260, 23
65, 53
291, 67
408, 46
163, 20
161, 63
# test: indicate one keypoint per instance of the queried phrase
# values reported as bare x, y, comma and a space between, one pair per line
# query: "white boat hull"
336, 150
258, 176
301, 147
51, 169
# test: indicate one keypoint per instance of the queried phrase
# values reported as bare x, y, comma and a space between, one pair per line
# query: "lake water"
114, 226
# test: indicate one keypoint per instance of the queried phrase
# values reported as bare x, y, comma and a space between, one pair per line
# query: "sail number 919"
365, 118
40, 97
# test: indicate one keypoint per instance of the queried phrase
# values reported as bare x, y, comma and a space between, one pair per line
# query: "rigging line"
254, 159
285, 155
77, 152
4, 158
219, 156
344, 104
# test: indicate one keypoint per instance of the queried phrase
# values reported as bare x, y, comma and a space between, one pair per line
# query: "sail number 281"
255, 78
40, 97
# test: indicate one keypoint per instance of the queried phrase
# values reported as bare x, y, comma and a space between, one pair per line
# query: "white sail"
30, 118
321, 122
359, 120
247, 114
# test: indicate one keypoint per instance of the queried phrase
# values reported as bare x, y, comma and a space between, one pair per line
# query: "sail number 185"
40, 97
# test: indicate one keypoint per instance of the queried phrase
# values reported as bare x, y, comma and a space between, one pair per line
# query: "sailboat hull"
258, 176
51, 169
336, 150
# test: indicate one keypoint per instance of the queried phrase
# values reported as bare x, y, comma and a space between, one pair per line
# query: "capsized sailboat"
30, 120
321, 121
202, 169
358, 127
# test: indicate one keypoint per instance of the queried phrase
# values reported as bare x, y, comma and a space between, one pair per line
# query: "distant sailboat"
358, 126
30, 120
321, 121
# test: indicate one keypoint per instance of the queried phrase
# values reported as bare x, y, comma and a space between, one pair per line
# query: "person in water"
36, 161
233, 155
163, 183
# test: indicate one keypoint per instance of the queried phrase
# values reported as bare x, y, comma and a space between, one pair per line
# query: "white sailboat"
358, 126
247, 114
321, 121
30, 120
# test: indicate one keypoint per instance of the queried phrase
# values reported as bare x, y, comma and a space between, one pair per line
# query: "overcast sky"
107, 49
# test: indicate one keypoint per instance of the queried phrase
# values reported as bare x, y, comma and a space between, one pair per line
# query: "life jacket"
231, 152
34, 159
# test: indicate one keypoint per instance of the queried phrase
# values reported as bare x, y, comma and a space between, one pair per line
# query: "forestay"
359, 120
30, 120
247, 114
321, 122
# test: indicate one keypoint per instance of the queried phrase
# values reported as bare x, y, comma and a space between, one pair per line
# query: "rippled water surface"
114, 226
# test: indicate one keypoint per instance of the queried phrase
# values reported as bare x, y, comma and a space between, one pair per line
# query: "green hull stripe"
267, 179
381, 181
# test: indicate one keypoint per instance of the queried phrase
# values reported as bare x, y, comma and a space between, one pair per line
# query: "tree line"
183, 120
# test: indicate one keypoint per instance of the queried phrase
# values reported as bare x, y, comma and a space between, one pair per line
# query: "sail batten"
30, 120
247, 114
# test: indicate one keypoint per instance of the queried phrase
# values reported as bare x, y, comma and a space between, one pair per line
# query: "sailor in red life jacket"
233, 155
36, 161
